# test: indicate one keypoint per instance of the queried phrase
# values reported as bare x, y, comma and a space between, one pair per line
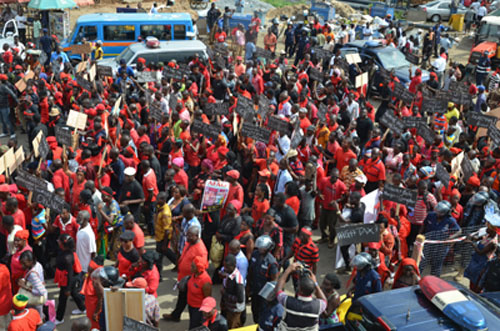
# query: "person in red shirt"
5, 296
60, 179
23, 319
78, 186
130, 224
148, 270
374, 170
66, 223
235, 189
332, 190
150, 188
415, 80
344, 154
11, 208
180, 177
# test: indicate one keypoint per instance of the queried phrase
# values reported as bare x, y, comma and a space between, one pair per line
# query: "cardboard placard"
81, 48
29, 181
494, 135
261, 52
426, 133
40, 146
81, 67
245, 108
127, 302
77, 120
217, 108
104, 71
147, 76
92, 72
220, 49
467, 169
85, 84
315, 75
48, 199
19, 155
412, 58
264, 106
433, 105
480, 120
155, 111
21, 84
297, 137
64, 135
442, 174
358, 233
481, 132
402, 93
275, 123
392, 122
322, 53
322, 111
412, 122
361, 80
255, 132
171, 73
130, 324
399, 195
353, 58
210, 131
9, 158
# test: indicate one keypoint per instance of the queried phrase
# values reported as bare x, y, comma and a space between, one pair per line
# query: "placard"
81, 48
127, 302
426, 133
19, 155
494, 135
264, 106
412, 58
361, 80
92, 72
104, 71
155, 111
467, 169
214, 195
29, 181
275, 123
315, 75
21, 84
77, 120
218, 108
442, 174
433, 105
261, 52
48, 199
84, 84
172, 102
171, 73
384, 75
402, 93
400, 195
297, 137
210, 131
255, 132
322, 111
9, 160
64, 136
133, 325
480, 120
40, 146
220, 49
322, 53
147, 76
412, 122
353, 58
245, 108
357, 233
390, 121
81, 67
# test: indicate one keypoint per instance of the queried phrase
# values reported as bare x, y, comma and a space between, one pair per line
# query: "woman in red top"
260, 203
292, 196
127, 255
199, 287
16, 269
457, 210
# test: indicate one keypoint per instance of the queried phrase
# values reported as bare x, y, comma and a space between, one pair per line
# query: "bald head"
234, 246
81, 324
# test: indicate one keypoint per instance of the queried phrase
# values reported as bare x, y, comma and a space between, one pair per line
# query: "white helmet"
264, 242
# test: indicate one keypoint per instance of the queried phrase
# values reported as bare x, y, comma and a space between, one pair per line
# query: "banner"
214, 195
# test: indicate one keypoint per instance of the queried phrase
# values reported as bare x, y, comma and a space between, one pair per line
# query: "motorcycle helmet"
362, 260
264, 242
110, 277
480, 198
443, 208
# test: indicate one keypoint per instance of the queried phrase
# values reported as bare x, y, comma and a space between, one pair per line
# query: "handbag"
216, 252
182, 285
33, 300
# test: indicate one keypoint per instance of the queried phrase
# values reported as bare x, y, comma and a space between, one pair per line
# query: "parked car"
439, 10
386, 57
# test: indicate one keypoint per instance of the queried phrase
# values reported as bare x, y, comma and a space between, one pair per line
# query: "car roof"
408, 309
369, 44
491, 20
123, 18
174, 45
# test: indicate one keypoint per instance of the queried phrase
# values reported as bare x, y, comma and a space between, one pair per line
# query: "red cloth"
5, 290
139, 236
61, 180
91, 300
153, 278
331, 191
181, 178
61, 277
149, 183
28, 320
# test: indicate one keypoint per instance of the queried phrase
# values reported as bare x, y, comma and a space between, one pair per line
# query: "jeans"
149, 212
195, 317
169, 254
63, 299
8, 128
180, 305
480, 78
328, 219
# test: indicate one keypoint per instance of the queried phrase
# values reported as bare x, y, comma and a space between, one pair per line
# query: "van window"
180, 57
179, 32
161, 32
119, 32
89, 32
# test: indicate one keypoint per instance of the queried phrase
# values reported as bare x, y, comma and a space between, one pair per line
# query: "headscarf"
236, 204
200, 264
407, 261
23, 234
207, 163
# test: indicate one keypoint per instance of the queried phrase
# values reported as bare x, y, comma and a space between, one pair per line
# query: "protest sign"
261, 52
92, 72
494, 134
297, 137
208, 130
214, 195
64, 136
40, 146
315, 75
21, 84
384, 75
130, 324
48, 199
9, 160
402, 93
81, 48
172, 73
172, 102
467, 169
245, 108
84, 84
77, 120
104, 71
322, 53
19, 155
147, 76
433, 105
357, 233
255, 132
264, 106
280, 125
342, 64
217, 108
361, 80
399, 195
155, 111
480, 120
392, 122
412, 122
353, 58
481, 132
442, 174
426, 133
29, 181
412, 58
81, 67
220, 49
322, 111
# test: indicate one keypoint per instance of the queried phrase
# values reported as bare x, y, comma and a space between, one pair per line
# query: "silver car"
439, 10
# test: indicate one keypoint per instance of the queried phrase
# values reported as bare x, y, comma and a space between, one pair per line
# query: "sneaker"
169, 317
13, 136
59, 322
2, 135
78, 312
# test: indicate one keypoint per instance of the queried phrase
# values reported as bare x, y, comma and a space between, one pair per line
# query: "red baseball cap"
208, 304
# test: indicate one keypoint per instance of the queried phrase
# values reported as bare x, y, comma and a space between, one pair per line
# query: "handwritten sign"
21, 84
255, 132
280, 125
402, 93
412, 58
322, 53
480, 120
211, 131
400, 195
392, 122
442, 174
426, 133
433, 105
19, 155
467, 169
412, 122
85, 84
48, 199
244, 108
353, 58
104, 71
361, 80
297, 137
264, 106
172, 73
358, 233
40, 146
220, 49
130, 324
494, 135
261, 52
81, 48
77, 120
322, 111
315, 75
217, 108
64, 136
29, 181
9, 160
147, 76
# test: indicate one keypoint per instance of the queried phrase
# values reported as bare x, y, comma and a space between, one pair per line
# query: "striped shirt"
37, 228
420, 211
35, 277
152, 309
307, 253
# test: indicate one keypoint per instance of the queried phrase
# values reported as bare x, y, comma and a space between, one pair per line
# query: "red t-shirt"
181, 178
70, 228
139, 236
331, 191
195, 289
259, 208
28, 320
343, 158
149, 183
293, 202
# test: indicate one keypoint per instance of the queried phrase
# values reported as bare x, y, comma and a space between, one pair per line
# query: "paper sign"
19, 155
361, 79
358, 233
81, 48
10, 160
21, 84
116, 107
77, 120
92, 72
214, 195
81, 67
353, 58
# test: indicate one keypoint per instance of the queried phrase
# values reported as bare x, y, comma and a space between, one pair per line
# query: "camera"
303, 270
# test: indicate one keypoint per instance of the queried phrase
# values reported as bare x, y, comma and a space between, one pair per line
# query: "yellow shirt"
323, 137
99, 53
452, 113
163, 223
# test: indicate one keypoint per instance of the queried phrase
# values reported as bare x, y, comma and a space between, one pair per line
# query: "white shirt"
352, 34
439, 64
482, 11
284, 143
475, 6
10, 239
353, 110
85, 246
367, 33
282, 178
21, 21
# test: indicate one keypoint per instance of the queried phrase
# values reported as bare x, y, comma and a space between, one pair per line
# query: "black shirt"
288, 220
363, 128
132, 191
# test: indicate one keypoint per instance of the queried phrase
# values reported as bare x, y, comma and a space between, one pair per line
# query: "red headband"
306, 231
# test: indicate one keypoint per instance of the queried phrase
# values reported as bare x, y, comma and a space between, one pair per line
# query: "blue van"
119, 30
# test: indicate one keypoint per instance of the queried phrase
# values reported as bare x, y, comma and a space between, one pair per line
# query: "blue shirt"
62, 55
367, 284
185, 225
442, 229
242, 265
130, 71
481, 98
249, 50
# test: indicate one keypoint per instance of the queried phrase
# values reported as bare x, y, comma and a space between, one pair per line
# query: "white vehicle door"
10, 30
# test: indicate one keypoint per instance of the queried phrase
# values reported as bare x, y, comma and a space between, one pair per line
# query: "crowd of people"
130, 175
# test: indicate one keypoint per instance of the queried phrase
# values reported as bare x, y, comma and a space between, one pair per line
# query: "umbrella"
13, 1
82, 3
51, 4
